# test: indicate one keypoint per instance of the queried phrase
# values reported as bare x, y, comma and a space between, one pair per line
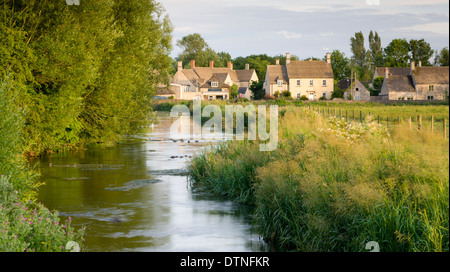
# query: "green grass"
331, 186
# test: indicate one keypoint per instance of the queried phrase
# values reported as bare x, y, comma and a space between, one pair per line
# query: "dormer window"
214, 84
280, 83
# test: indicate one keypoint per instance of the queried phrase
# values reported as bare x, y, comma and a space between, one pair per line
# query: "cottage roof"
215, 78
402, 83
277, 72
394, 71
431, 75
309, 69
202, 74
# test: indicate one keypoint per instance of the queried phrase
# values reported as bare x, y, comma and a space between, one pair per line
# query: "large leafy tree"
420, 50
340, 64
397, 53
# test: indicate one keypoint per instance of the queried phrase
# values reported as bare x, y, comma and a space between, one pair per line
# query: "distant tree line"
83, 73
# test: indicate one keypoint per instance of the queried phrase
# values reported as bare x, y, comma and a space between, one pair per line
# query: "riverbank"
25, 224
334, 186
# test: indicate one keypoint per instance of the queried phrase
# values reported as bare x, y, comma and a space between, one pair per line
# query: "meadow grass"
335, 186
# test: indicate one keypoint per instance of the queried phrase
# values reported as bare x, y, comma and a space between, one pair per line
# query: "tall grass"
334, 186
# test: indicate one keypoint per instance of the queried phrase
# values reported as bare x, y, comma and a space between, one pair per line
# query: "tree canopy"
87, 72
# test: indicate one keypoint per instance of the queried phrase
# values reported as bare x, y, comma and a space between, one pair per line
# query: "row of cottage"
312, 79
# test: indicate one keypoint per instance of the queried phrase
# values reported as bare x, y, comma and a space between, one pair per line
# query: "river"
135, 197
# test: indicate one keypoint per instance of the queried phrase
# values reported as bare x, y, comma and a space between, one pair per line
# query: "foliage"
377, 85
24, 224
397, 53
234, 91
340, 64
257, 90
87, 71
420, 50
442, 57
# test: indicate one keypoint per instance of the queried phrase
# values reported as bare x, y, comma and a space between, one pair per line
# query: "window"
410, 98
430, 97
214, 84
324, 95
186, 89
311, 82
357, 97
357, 89
431, 88
280, 83
324, 82
299, 96
298, 82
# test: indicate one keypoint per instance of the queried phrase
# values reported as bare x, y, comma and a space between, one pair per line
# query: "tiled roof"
431, 75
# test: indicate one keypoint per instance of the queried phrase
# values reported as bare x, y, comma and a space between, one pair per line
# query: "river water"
135, 197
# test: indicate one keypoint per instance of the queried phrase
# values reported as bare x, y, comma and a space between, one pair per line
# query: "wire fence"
420, 122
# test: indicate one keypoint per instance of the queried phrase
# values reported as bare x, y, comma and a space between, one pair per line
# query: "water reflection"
135, 197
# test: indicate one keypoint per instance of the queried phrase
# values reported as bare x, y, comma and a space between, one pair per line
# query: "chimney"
192, 64
247, 66
230, 65
413, 65
211, 64
329, 58
386, 72
277, 62
180, 65
288, 58
420, 63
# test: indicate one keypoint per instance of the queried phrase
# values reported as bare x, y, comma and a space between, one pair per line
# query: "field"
333, 185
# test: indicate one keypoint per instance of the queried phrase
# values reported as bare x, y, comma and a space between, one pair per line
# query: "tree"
192, 45
362, 59
421, 51
376, 50
196, 48
87, 72
397, 53
234, 91
257, 90
377, 84
340, 64
442, 57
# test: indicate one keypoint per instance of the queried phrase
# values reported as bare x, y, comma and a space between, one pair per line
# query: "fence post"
379, 121
340, 113
445, 128
432, 123
360, 117
387, 122
419, 122
353, 115
410, 122
346, 116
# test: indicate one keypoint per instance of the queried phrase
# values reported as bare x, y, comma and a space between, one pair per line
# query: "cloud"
440, 28
290, 35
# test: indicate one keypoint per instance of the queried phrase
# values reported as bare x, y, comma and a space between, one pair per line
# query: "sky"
305, 28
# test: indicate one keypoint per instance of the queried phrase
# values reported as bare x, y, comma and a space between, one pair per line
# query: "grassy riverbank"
25, 225
331, 186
